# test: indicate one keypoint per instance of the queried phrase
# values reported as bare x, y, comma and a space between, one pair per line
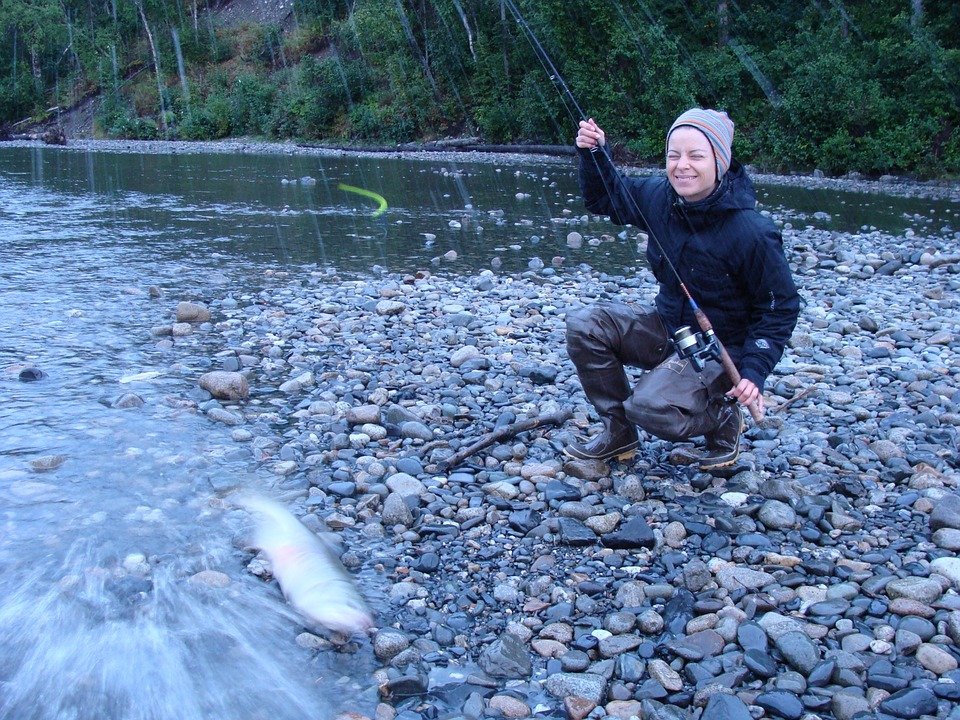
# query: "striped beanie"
718, 128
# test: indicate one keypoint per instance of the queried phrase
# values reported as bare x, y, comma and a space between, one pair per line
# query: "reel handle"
726, 361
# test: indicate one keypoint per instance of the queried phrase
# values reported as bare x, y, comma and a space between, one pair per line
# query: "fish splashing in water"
307, 568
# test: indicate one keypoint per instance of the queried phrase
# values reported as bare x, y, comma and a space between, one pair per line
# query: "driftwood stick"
507, 431
796, 398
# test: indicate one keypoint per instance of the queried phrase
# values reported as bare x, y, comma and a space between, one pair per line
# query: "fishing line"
702, 320
555, 76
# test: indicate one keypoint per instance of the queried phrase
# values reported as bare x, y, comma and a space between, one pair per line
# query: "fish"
307, 568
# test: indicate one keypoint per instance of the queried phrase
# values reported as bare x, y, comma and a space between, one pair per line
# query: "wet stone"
558, 491
798, 650
822, 673
725, 707
781, 704
752, 637
910, 703
506, 657
574, 532
760, 663
635, 533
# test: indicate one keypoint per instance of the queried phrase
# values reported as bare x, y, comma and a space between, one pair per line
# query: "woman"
702, 219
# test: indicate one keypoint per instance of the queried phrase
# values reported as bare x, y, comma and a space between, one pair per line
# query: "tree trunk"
156, 67
14, 61
916, 14
412, 40
504, 44
466, 26
723, 23
35, 67
70, 47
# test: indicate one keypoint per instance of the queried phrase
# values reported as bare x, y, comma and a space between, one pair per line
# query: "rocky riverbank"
818, 578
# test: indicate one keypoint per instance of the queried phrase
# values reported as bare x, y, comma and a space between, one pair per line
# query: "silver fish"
308, 569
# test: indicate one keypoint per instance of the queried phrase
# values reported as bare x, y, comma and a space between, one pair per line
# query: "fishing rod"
696, 350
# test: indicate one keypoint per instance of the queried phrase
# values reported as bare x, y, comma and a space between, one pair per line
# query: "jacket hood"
734, 193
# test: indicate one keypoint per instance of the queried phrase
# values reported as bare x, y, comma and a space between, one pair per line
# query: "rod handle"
734, 376
704, 322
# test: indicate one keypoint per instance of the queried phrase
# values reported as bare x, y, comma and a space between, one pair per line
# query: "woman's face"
691, 164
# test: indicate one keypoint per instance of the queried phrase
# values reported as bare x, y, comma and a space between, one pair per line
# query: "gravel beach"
818, 578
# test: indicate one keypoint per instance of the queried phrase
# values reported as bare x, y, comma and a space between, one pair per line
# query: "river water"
109, 514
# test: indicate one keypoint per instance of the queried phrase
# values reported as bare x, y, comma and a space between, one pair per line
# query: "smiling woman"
709, 248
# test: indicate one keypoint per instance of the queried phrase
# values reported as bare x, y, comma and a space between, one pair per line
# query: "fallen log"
467, 145
51, 136
557, 417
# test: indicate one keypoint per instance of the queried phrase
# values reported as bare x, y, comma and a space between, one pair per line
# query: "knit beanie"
718, 128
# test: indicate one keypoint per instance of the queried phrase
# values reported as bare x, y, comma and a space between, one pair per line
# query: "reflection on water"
107, 515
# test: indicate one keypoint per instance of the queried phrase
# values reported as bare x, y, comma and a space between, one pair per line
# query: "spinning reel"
697, 347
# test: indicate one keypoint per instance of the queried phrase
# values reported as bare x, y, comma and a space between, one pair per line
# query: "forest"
867, 87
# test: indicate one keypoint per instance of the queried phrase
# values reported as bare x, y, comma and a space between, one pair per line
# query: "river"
111, 515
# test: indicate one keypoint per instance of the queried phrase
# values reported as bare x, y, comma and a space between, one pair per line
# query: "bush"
250, 102
211, 121
319, 10
116, 119
377, 120
319, 92
18, 95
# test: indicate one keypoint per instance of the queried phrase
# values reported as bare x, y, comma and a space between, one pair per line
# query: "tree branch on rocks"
795, 399
557, 417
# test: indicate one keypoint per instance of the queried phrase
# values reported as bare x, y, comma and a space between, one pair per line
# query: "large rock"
225, 385
188, 312
946, 513
949, 567
736, 577
582, 685
925, 590
506, 657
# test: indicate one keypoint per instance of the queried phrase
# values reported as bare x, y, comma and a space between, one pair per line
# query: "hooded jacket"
729, 256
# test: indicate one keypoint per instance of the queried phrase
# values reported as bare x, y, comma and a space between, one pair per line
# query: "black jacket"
729, 256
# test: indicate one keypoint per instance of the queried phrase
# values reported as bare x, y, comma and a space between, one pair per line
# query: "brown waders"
672, 400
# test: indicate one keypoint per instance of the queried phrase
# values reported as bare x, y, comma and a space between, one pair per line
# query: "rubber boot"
723, 444
618, 440
607, 389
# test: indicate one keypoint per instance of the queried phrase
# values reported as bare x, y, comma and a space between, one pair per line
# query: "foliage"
117, 119
319, 92
872, 87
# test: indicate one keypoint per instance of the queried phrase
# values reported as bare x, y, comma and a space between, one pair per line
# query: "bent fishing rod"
686, 343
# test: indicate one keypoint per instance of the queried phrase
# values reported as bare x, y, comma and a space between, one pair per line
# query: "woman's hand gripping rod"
697, 347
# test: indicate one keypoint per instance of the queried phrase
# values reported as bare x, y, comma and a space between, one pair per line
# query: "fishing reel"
697, 347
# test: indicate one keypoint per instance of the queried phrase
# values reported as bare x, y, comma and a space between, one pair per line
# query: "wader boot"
723, 444
607, 389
